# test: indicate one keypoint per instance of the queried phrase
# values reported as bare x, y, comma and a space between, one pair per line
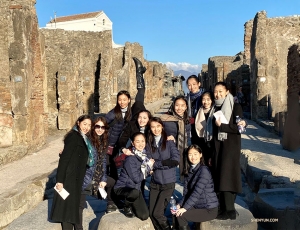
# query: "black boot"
165, 226
128, 211
140, 69
186, 227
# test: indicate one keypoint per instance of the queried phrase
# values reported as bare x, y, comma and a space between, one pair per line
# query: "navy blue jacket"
198, 191
163, 174
171, 128
115, 131
131, 174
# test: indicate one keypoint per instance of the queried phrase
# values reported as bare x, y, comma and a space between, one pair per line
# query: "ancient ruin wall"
76, 62
23, 110
270, 41
291, 134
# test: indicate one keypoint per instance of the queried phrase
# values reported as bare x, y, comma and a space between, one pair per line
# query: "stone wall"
230, 69
23, 101
291, 134
76, 61
270, 41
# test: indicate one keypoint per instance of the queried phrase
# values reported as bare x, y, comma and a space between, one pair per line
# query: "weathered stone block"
244, 221
116, 220
276, 208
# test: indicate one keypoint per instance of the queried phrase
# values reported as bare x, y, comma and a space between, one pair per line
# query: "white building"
94, 21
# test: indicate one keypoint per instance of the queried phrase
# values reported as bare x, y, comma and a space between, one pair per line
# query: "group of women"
206, 150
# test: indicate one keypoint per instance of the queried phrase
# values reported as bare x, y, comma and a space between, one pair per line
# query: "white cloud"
183, 66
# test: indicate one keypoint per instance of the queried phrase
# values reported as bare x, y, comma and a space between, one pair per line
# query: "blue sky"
182, 33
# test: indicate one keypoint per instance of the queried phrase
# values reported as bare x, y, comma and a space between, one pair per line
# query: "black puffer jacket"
198, 189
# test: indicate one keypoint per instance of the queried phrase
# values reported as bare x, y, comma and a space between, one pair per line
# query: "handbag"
119, 160
110, 150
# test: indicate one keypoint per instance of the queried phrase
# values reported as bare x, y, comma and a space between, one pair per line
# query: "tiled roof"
76, 17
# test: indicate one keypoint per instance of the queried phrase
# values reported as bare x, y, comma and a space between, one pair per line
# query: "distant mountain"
186, 74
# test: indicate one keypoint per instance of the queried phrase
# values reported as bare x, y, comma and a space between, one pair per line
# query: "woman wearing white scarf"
226, 157
204, 126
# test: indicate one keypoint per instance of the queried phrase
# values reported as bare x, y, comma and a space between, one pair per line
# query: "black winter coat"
71, 170
131, 128
226, 168
198, 191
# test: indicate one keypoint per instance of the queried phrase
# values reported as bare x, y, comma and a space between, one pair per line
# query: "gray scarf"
157, 139
227, 107
204, 128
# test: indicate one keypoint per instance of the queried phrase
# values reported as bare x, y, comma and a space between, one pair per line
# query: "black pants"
197, 215
111, 196
70, 226
135, 199
159, 198
226, 200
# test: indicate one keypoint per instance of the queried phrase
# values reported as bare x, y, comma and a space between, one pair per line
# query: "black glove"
169, 162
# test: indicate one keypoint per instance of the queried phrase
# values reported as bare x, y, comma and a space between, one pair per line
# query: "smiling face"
193, 85
180, 107
194, 156
85, 125
123, 101
143, 119
220, 92
156, 128
99, 128
139, 142
206, 101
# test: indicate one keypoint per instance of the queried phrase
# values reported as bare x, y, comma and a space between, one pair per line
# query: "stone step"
38, 218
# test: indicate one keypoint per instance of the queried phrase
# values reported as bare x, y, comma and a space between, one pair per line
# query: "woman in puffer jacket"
166, 157
199, 202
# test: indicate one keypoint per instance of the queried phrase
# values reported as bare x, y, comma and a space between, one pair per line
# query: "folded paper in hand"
63, 193
219, 115
102, 192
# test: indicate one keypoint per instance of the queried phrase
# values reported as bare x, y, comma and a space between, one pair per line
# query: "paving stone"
244, 221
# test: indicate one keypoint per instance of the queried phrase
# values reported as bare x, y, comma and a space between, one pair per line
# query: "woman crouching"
199, 202
128, 187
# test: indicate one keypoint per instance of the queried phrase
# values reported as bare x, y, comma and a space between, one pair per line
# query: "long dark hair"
79, 120
117, 109
100, 142
151, 135
186, 162
172, 112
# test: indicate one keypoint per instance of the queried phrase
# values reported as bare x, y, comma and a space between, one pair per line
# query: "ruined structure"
267, 41
291, 137
23, 84
231, 69
51, 76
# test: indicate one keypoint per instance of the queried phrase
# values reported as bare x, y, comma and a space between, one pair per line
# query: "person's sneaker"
111, 208
128, 212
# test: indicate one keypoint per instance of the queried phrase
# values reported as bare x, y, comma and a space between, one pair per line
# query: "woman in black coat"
199, 202
73, 162
226, 157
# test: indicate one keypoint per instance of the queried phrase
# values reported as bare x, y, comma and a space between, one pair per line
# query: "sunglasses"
99, 127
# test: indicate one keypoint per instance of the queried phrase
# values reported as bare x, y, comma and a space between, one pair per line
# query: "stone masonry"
291, 136
231, 69
23, 87
267, 41
51, 76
